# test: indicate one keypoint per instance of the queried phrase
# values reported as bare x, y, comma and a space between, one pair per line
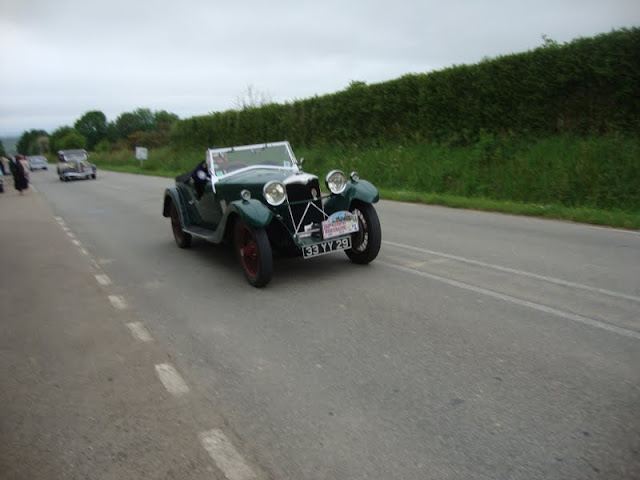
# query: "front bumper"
71, 174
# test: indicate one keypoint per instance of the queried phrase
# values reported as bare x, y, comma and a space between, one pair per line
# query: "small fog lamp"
245, 194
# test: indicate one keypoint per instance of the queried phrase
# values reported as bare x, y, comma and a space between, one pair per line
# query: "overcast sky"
63, 58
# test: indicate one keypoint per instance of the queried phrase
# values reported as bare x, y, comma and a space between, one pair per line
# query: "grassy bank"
592, 180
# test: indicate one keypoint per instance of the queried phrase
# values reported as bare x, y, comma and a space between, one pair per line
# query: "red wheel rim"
248, 250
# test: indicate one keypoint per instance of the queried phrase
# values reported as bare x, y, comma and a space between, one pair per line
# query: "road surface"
477, 345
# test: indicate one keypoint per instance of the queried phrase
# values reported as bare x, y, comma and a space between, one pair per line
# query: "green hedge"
600, 171
587, 86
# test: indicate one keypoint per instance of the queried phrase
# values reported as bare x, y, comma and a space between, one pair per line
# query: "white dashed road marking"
139, 331
215, 442
118, 302
225, 456
103, 280
171, 379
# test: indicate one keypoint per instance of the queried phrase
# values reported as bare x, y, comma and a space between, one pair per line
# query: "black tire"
183, 239
365, 244
254, 253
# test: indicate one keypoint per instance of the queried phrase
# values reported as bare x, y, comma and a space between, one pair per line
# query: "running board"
200, 232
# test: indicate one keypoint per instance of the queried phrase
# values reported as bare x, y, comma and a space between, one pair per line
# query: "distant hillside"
10, 144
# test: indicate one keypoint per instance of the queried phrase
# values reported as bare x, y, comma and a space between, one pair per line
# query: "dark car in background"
257, 198
74, 164
37, 162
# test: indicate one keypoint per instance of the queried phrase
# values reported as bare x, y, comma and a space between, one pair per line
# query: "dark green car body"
226, 200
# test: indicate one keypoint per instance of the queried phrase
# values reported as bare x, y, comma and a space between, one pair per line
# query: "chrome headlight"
336, 181
274, 193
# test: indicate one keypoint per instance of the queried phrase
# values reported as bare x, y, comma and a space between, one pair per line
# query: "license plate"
327, 246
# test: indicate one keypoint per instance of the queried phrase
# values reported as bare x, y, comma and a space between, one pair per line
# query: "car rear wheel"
183, 239
365, 244
254, 253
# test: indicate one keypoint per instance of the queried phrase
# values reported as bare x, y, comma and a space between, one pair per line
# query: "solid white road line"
171, 379
118, 302
536, 306
522, 273
139, 331
225, 456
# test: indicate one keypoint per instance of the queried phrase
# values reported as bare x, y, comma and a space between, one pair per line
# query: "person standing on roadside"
19, 171
2, 174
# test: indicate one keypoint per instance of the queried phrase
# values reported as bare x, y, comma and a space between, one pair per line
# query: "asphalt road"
477, 345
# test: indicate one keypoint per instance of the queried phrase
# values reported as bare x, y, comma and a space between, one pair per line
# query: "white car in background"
37, 162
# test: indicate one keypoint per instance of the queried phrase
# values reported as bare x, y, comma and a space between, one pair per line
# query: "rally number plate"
327, 246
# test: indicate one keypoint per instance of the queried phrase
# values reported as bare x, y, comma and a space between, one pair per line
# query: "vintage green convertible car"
257, 198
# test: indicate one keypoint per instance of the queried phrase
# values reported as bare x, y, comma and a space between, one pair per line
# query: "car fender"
173, 194
361, 190
252, 212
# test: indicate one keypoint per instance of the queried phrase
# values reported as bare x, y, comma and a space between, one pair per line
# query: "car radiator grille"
300, 197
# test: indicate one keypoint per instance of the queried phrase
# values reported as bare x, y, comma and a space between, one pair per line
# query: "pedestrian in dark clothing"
199, 176
20, 178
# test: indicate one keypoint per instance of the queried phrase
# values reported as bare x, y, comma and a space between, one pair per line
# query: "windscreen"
226, 161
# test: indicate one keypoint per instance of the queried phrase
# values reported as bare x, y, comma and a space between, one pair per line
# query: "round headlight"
274, 193
336, 181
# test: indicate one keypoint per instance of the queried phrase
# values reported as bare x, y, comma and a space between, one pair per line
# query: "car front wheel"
365, 243
254, 253
183, 239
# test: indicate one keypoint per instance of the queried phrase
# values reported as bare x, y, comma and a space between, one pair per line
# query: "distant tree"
356, 84
155, 125
164, 119
251, 98
32, 142
3, 153
548, 42
112, 132
66, 138
126, 124
146, 118
72, 140
93, 126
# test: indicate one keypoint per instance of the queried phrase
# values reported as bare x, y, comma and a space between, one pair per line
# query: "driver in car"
221, 164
